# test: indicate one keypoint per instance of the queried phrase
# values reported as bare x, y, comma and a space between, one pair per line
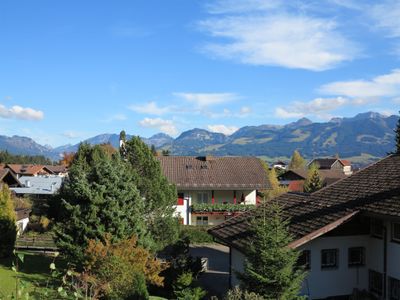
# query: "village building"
7, 177
38, 186
334, 164
348, 234
28, 170
22, 219
294, 179
213, 189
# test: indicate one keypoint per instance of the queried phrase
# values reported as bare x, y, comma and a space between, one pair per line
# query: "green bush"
196, 234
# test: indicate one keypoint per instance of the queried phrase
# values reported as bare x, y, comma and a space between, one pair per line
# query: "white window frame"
202, 219
334, 257
395, 238
201, 196
376, 228
361, 262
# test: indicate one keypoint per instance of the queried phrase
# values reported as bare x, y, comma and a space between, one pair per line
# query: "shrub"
8, 229
196, 234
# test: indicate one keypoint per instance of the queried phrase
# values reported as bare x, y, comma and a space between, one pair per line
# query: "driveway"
216, 279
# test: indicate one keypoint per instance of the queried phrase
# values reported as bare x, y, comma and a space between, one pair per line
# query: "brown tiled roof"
323, 173
57, 169
214, 172
345, 162
27, 169
375, 189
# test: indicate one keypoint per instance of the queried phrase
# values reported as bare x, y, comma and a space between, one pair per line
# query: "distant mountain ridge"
365, 134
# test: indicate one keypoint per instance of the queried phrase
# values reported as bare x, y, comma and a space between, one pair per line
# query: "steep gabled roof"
324, 163
214, 172
9, 178
375, 189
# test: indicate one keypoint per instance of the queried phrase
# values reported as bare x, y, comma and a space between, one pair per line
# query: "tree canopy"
397, 139
297, 161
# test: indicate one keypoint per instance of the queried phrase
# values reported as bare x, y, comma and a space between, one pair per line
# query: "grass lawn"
34, 272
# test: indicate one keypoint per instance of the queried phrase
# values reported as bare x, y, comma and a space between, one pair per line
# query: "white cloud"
22, 113
396, 100
203, 100
166, 126
244, 111
254, 34
116, 117
227, 130
387, 85
71, 134
319, 107
150, 108
387, 17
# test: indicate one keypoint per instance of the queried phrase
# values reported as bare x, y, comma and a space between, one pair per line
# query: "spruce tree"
8, 229
271, 267
313, 181
297, 161
160, 196
99, 197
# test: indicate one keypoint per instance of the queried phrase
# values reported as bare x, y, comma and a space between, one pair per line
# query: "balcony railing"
219, 207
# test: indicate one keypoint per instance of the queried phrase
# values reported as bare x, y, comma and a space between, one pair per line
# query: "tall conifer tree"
99, 197
271, 266
397, 132
160, 196
313, 181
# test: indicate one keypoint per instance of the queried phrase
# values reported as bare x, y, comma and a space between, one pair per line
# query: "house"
213, 189
28, 170
38, 186
348, 234
7, 177
294, 179
22, 219
333, 164
280, 165
59, 170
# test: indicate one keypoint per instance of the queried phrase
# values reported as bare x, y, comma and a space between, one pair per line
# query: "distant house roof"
279, 162
22, 213
345, 162
57, 169
374, 190
214, 172
28, 169
39, 185
324, 163
301, 174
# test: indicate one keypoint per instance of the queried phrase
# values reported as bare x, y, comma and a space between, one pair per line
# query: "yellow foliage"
128, 255
6, 204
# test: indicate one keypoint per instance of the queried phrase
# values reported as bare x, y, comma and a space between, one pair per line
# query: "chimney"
27, 183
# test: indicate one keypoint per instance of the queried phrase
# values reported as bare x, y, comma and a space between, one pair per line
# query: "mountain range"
366, 136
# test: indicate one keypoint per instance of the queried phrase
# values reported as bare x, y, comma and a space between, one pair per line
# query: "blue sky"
72, 69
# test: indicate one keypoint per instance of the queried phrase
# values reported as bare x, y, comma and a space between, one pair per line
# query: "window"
180, 199
376, 228
396, 232
305, 259
329, 258
202, 221
394, 289
375, 282
356, 256
202, 197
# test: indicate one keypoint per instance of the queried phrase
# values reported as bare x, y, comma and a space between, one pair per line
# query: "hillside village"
200, 150
341, 222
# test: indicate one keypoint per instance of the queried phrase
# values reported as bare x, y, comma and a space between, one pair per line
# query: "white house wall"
322, 283
220, 196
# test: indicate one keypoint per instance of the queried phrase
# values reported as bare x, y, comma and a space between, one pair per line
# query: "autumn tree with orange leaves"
124, 266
